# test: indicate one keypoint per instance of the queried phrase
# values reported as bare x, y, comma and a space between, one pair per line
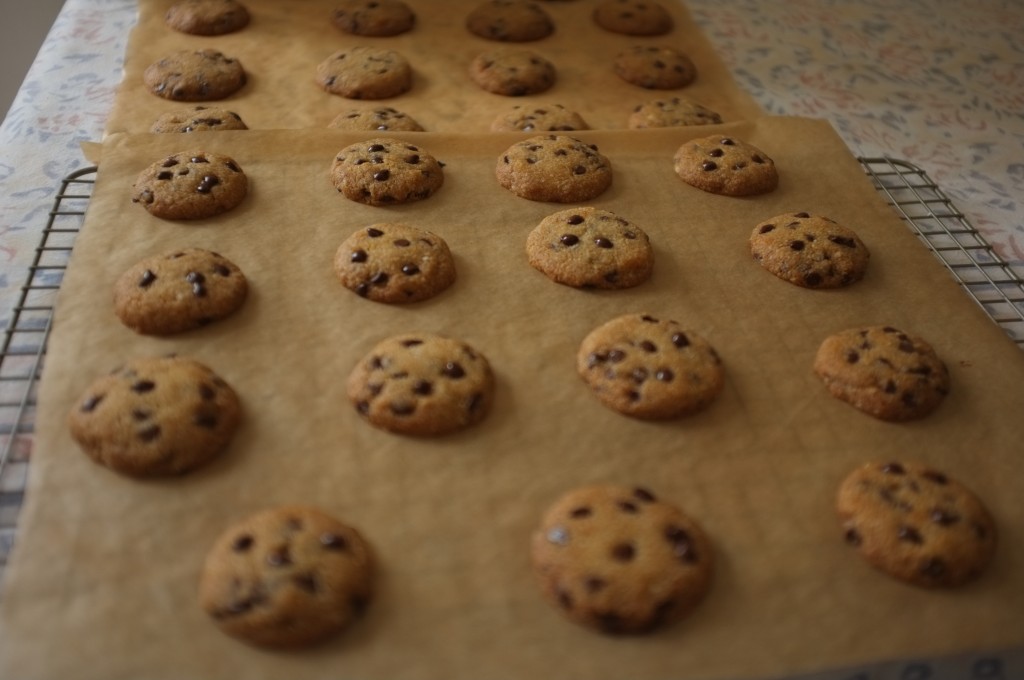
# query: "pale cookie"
655, 68
916, 524
633, 17
178, 291
373, 18
156, 417
544, 118
883, 372
394, 263
422, 384
191, 185
510, 21
365, 73
619, 560
381, 118
199, 119
512, 73
727, 166
207, 17
648, 368
590, 248
386, 171
554, 168
287, 577
674, 112
811, 251
195, 76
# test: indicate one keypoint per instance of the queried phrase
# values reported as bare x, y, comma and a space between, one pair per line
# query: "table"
936, 84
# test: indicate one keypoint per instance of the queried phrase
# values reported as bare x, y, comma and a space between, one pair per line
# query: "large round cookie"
374, 18
725, 165
178, 291
365, 73
422, 384
512, 73
916, 523
286, 577
633, 17
673, 112
590, 248
156, 416
883, 372
542, 118
510, 21
191, 185
195, 76
619, 560
649, 368
386, 171
380, 118
655, 68
207, 17
199, 119
811, 251
554, 168
394, 263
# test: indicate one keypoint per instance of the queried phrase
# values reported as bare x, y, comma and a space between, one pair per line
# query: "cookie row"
612, 558
502, 20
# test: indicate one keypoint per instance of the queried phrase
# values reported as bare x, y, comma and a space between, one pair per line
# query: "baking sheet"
105, 569
285, 41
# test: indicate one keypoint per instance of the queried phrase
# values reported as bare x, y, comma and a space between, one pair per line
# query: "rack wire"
989, 280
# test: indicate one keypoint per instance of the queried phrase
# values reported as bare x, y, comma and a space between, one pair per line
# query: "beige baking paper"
285, 41
103, 579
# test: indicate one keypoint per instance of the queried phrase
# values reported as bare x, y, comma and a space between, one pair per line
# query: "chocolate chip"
411, 343
936, 477
151, 433
242, 543
281, 557
708, 166
581, 512
402, 409
90, 404
143, 386
198, 290
852, 357
682, 544
852, 537
648, 346
205, 420
379, 279
797, 245
893, 469
813, 280
843, 241
910, 534
358, 256
169, 163
616, 355
402, 242
373, 148
680, 340
644, 495
766, 228
727, 141
374, 233
410, 269
423, 388
575, 219
146, 279
602, 242
222, 270
195, 277
382, 175
579, 170
332, 541
594, 584
207, 184
363, 289
306, 582
569, 239
412, 160
664, 375
165, 175
206, 392
453, 370
623, 552
628, 507
944, 518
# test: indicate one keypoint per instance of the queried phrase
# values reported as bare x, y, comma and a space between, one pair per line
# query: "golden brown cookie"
650, 368
199, 119
422, 384
554, 168
287, 577
207, 17
619, 560
380, 118
373, 18
512, 73
633, 17
386, 171
394, 263
725, 165
191, 185
674, 112
195, 76
811, 251
156, 417
178, 291
655, 68
510, 21
916, 523
590, 248
365, 73
883, 372
543, 118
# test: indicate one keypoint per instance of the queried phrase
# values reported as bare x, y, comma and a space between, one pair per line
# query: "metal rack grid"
943, 229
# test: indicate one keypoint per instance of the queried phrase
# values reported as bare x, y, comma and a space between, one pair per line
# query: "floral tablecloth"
939, 84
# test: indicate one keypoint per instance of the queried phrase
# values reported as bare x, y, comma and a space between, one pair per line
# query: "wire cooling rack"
926, 209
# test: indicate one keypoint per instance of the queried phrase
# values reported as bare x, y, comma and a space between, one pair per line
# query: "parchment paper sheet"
103, 579
285, 41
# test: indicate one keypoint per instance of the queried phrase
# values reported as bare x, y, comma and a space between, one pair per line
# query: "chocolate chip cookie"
883, 372
811, 251
178, 291
422, 384
380, 118
617, 559
590, 248
655, 68
650, 368
554, 168
373, 18
386, 171
512, 73
395, 263
544, 118
199, 119
674, 112
207, 17
156, 417
191, 185
365, 73
916, 523
727, 166
195, 76
633, 17
287, 577
510, 21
